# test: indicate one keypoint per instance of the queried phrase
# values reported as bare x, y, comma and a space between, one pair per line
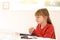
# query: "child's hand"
31, 30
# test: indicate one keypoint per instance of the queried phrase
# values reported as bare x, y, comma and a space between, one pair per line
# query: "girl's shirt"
46, 32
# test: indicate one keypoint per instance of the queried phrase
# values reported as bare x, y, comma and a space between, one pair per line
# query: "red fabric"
46, 32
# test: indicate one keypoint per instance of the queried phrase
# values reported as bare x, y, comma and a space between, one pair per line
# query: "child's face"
40, 19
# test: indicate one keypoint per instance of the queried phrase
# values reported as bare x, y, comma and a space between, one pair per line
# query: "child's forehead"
39, 14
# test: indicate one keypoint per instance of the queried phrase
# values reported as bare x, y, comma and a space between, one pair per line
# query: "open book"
27, 36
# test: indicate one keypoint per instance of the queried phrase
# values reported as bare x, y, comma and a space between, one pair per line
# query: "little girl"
44, 28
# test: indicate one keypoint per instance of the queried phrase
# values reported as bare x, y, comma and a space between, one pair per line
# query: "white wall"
55, 17
16, 21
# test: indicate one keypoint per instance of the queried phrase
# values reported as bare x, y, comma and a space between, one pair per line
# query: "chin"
38, 23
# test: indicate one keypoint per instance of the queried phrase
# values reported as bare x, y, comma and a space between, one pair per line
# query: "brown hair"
43, 12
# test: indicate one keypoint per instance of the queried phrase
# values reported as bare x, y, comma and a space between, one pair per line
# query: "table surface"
12, 36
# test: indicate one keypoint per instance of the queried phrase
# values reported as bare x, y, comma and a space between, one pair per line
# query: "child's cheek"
40, 20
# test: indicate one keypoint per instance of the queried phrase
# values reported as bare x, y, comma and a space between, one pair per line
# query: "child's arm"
35, 32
